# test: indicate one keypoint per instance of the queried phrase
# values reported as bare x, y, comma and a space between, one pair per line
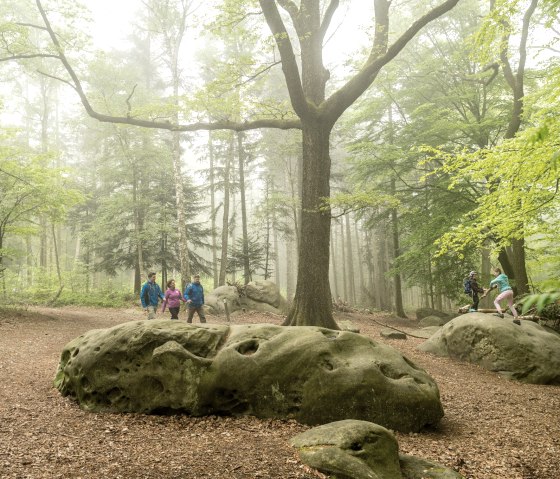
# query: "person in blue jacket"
150, 294
194, 294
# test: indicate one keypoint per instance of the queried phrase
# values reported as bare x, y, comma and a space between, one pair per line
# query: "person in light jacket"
501, 282
194, 294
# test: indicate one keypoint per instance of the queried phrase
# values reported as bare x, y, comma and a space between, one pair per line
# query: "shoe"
500, 315
472, 310
516, 321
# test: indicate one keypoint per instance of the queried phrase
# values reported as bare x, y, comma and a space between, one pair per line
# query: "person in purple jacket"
173, 298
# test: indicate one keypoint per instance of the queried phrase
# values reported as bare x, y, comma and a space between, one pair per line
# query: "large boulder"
311, 374
424, 312
352, 449
433, 321
263, 296
214, 300
525, 352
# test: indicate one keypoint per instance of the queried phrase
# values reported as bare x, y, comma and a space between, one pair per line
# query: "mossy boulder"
352, 449
526, 352
311, 374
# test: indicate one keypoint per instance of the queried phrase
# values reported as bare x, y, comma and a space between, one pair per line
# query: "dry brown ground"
492, 429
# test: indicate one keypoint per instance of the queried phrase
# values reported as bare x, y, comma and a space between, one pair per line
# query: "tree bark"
245, 238
312, 304
213, 211
225, 218
350, 261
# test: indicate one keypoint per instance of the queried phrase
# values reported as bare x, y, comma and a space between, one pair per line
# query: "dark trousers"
475, 300
196, 309
174, 312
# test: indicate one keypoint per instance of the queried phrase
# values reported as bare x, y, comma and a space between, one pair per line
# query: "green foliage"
256, 253
540, 301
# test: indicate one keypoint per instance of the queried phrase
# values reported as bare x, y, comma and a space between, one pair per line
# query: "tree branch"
339, 101
333, 5
283, 124
289, 63
24, 56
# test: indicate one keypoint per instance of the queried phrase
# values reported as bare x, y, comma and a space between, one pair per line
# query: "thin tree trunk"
213, 211
350, 260
344, 273
360, 287
399, 307
225, 218
245, 235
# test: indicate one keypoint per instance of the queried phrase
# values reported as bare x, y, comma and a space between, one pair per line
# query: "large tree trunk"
515, 80
312, 305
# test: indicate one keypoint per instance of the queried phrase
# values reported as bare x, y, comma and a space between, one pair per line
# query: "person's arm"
142, 294
188, 294
164, 304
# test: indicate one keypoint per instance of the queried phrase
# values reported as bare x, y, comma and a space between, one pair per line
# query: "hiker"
472, 289
194, 294
501, 282
150, 294
173, 298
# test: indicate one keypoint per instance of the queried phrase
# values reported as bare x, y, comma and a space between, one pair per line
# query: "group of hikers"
505, 292
193, 296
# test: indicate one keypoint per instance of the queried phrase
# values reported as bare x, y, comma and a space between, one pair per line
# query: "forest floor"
493, 428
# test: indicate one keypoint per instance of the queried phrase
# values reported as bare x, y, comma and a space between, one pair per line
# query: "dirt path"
493, 428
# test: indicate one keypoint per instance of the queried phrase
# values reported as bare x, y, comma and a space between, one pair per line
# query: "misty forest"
350, 191
373, 162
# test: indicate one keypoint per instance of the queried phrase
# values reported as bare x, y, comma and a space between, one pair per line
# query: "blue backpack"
467, 286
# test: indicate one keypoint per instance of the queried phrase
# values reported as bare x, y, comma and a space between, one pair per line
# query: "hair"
169, 282
196, 276
151, 275
498, 270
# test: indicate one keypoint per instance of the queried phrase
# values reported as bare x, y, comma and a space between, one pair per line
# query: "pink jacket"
173, 298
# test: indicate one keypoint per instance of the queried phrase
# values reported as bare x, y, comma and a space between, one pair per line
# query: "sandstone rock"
346, 325
265, 292
311, 374
423, 312
262, 296
433, 321
391, 334
525, 352
214, 300
352, 449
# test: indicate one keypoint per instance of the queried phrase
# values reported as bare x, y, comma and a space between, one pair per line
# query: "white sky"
112, 20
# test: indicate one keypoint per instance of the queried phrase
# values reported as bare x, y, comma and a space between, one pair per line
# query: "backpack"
467, 286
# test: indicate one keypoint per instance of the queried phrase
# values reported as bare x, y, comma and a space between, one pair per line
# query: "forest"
365, 154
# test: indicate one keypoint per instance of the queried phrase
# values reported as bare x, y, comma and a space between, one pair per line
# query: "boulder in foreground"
311, 374
353, 449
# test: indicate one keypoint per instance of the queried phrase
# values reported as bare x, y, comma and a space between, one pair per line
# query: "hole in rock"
248, 347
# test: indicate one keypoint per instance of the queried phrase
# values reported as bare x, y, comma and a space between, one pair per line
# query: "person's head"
151, 277
171, 284
196, 278
497, 271
473, 274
